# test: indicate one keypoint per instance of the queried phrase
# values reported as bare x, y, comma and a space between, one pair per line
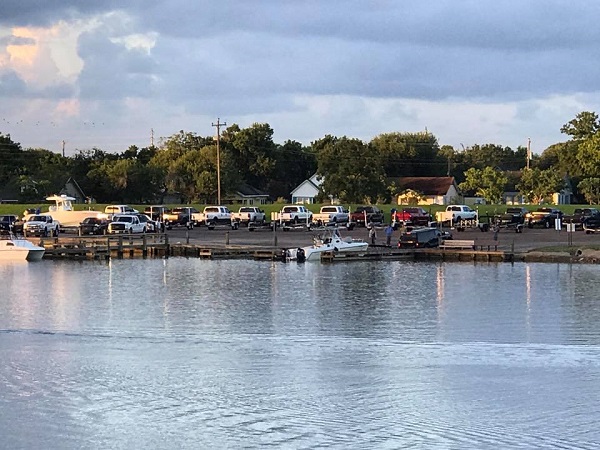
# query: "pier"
105, 247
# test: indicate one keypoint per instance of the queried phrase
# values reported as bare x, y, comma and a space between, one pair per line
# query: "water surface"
186, 353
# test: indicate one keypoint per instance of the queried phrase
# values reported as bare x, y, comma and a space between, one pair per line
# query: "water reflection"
217, 354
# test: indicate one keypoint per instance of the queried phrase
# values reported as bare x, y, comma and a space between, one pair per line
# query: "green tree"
252, 152
409, 154
12, 159
488, 183
583, 126
294, 163
588, 156
351, 170
537, 185
590, 188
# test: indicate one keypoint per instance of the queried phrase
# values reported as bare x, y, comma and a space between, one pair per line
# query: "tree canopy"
350, 169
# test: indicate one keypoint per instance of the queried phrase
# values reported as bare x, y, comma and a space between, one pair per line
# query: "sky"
104, 75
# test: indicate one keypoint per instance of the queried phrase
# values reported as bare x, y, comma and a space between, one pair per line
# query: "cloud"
470, 70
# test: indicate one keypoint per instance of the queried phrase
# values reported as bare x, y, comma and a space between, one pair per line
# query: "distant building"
248, 195
425, 190
72, 189
308, 191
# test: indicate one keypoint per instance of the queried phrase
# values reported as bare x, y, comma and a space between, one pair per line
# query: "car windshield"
124, 219
37, 219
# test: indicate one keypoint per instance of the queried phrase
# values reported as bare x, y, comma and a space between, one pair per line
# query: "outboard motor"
300, 256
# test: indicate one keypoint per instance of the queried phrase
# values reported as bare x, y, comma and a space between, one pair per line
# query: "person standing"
372, 233
389, 231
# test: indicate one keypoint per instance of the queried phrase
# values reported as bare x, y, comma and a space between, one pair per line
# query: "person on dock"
389, 231
372, 233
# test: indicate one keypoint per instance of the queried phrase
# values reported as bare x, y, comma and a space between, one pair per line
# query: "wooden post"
227, 238
144, 247
187, 236
120, 247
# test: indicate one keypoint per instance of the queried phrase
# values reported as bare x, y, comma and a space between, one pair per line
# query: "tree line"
352, 170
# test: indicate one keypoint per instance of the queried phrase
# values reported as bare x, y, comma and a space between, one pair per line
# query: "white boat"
330, 241
63, 211
18, 249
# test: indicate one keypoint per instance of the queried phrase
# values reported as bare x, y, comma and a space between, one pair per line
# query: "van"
420, 238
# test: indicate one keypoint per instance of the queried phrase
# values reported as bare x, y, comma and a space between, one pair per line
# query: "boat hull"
313, 253
20, 250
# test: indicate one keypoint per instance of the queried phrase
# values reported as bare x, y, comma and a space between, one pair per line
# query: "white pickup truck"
216, 215
332, 214
126, 223
249, 214
41, 225
456, 214
295, 215
112, 210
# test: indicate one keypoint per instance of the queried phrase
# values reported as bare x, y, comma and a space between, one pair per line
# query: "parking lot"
507, 239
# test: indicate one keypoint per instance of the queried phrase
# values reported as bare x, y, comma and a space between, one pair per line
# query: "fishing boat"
62, 210
328, 241
19, 249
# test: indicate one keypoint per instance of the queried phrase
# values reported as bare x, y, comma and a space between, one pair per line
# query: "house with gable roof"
425, 190
307, 191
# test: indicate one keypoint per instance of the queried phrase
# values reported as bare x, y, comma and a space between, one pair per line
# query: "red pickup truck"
413, 216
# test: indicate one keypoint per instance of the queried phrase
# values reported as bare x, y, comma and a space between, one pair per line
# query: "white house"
307, 191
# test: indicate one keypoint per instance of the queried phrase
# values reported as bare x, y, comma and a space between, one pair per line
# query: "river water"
189, 354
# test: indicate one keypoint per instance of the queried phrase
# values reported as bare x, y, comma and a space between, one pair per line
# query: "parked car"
370, 213
579, 216
156, 212
591, 224
458, 213
7, 222
152, 226
413, 216
93, 225
183, 215
421, 238
295, 215
41, 225
126, 223
513, 218
543, 217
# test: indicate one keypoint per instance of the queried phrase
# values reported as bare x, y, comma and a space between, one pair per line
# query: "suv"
420, 238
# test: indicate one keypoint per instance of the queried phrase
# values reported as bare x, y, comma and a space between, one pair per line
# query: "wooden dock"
105, 247
157, 246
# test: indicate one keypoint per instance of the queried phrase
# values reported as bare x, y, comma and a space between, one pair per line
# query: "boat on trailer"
62, 210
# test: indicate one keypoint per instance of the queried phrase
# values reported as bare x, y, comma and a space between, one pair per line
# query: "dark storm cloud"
46, 12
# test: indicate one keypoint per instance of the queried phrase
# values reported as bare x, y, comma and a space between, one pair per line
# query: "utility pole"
63, 148
151, 137
528, 151
218, 125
